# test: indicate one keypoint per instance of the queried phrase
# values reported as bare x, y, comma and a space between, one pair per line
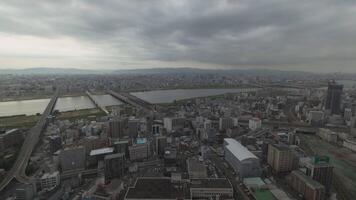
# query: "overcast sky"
314, 35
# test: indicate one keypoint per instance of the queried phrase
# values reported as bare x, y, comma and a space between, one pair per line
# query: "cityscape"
177, 100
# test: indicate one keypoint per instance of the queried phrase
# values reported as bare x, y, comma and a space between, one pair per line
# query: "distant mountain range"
62, 71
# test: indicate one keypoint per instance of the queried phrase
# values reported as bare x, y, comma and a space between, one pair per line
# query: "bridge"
91, 97
18, 170
132, 100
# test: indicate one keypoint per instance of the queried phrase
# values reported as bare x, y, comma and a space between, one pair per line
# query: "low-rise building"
245, 163
50, 180
196, 169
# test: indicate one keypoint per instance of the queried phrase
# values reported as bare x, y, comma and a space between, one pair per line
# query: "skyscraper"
333, 98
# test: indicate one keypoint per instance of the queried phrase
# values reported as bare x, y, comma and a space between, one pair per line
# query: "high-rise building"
133, 127
171, 124
114, 166
281, 158
55, 143
333, 98
117, 127
306, 186
320, 170
254, 123
225, 123
161, 144
139, 151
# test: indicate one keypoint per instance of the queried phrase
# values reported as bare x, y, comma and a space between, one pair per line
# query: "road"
229, 174
18, 169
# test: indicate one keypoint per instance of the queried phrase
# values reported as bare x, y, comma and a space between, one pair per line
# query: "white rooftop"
106, 150
239, 151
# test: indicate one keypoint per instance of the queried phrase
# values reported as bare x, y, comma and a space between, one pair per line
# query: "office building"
196, 169
25, 191
333, 98
139, 151
254, 124
161, 144
245, 163
319, 169
72, 158
308, 188
114, 166
133, 127
174, 188
171, 124
281, 158
226, 123
55, 143
50, 180
316, 118
211, 188
117, 127
122, 146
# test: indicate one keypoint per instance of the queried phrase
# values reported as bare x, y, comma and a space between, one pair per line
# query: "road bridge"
18, 169
97, 104
132, 100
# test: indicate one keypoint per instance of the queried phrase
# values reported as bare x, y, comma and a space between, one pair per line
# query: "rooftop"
239, 151
101, 151
210, 183
154, 188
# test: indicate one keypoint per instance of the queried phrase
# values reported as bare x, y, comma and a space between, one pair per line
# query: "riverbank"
36, 97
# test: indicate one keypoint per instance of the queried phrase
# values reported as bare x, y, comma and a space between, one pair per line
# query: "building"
281, 158
254, 123
173, 188
347, 114
211, 188
196, 169
161, 144
350, 144
245, 163
114, 166
327, 135
316, 117
226, 123
319, 169
26, 191
50, 180
308, 188
117, 127
122, 146
139, 151
55, 143
133, 127
157, 128
155, 188
171, 124
72, 158
333, 98
10, 138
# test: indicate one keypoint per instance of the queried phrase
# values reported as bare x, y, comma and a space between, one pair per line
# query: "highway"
18, 169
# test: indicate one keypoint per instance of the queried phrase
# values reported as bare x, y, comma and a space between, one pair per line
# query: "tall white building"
254, 124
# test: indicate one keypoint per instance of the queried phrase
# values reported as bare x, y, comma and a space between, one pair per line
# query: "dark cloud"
307, 35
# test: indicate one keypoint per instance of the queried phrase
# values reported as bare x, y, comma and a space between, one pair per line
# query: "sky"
307, 35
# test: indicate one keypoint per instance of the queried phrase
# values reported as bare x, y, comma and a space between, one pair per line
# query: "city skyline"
285, 35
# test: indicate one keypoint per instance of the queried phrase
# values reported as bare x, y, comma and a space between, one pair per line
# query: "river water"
31, 107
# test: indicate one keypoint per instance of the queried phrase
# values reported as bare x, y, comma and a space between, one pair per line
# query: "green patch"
264, 195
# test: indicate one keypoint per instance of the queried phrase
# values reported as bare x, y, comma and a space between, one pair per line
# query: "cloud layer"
318, 35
